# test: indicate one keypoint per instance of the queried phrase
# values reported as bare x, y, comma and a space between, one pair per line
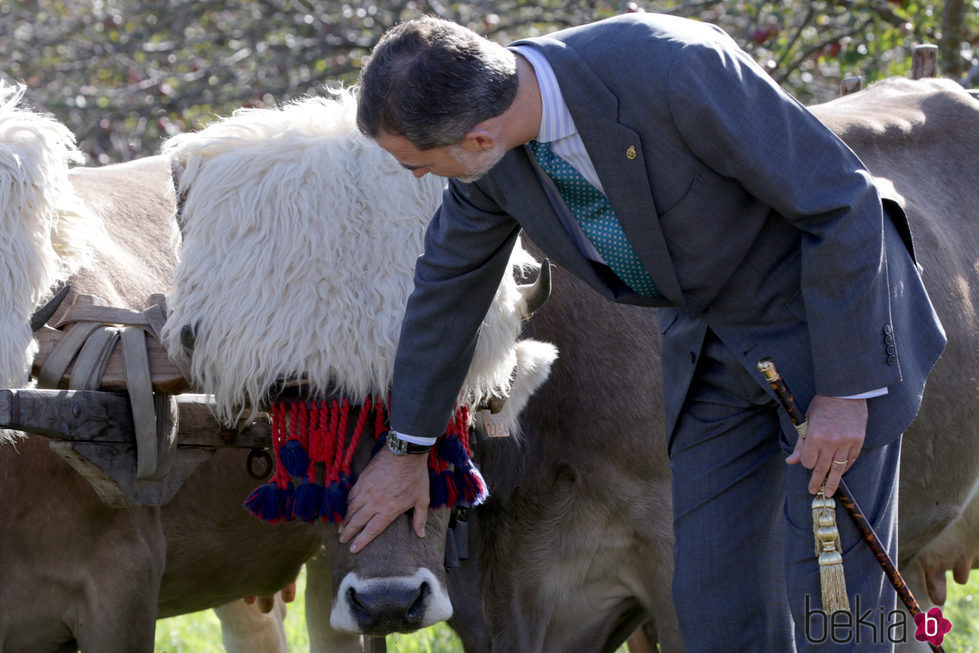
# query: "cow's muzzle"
390, 605
381, 611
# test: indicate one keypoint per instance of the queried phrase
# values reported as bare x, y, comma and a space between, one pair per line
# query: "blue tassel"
294, 458
472, 487
334, 507
346, 482
265, 502
287, 501
451, 450
438, 492
307, 500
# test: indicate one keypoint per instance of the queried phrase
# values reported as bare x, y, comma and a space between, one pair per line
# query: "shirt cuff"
414, 439
867, 395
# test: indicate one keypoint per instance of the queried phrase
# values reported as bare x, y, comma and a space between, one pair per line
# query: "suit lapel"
617, 153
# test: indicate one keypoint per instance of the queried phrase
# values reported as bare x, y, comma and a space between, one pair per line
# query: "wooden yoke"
93, 431
94, 348
80, 353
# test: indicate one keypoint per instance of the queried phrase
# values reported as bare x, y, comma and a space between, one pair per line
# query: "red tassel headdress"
313, 458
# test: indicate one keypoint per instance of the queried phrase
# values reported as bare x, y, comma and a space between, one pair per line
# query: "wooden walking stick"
829, 550
767, 367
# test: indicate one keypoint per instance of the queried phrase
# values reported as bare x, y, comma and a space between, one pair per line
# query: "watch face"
398, 447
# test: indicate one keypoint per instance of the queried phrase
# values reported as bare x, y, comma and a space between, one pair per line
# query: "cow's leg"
319, 603
118, 614
246, 628
728, 480
641, 641
96, 570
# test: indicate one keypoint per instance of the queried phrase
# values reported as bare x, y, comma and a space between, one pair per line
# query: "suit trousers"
746, 576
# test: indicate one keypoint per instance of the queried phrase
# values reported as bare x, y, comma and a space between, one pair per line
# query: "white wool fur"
45, 227
300, 238
534, 360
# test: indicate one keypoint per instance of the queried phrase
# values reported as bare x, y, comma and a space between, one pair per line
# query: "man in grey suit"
650, 156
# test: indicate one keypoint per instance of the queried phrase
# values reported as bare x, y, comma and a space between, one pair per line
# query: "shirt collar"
556, 122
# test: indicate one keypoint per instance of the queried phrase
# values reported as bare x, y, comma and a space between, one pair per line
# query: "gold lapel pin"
630, 152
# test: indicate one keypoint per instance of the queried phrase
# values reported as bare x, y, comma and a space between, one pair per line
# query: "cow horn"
46, 312
536, 293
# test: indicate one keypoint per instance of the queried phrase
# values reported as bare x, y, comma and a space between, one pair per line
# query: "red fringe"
321, 430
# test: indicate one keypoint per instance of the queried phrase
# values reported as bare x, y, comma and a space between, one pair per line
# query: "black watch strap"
401, 447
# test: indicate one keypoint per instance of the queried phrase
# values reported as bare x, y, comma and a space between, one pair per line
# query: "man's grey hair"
431, 81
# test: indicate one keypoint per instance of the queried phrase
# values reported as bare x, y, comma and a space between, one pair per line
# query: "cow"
98, 577
919, 139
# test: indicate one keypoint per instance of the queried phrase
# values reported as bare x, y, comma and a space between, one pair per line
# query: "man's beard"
477, 164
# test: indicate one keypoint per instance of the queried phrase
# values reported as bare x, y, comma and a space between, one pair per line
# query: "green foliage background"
124, 74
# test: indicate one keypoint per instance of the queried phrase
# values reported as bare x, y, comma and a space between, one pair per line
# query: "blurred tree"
125, 74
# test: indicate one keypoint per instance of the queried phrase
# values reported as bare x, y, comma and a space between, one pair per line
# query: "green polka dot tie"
592, 211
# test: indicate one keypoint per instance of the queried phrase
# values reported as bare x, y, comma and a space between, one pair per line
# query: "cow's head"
397, 583
300, 237
47, 231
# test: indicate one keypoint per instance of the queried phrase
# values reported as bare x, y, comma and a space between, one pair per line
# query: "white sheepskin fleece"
300, 237
45, 227
534, 360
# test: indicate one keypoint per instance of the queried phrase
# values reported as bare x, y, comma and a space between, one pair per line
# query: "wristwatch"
401, 447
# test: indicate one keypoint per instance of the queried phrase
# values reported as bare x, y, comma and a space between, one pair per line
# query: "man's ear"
478, 139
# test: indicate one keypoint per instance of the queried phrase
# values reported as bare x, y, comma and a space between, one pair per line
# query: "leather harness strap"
93, 357
64, 353
102, 314
140, 389
89, 343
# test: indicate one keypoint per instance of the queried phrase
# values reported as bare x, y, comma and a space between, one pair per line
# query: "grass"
200, 632
962, 609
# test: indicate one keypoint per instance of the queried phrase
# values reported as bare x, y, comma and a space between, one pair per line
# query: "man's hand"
388, 487
836, 431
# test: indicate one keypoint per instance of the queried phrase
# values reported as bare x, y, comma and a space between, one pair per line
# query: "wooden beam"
68, 414
106, 417
92, 431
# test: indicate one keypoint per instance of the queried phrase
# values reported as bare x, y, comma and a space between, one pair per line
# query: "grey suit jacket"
753, 219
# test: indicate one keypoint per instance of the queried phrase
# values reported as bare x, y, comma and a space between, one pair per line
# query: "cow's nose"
382, 609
